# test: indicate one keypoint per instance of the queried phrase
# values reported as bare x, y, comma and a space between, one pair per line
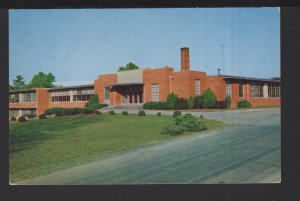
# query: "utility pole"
223, 54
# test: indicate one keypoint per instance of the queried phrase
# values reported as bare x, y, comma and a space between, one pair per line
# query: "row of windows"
78, 95
24, 112
23, 97
273, 90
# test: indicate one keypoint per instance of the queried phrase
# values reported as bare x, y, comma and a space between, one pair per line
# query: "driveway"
248, 151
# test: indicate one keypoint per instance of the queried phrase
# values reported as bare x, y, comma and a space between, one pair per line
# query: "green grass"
39, 147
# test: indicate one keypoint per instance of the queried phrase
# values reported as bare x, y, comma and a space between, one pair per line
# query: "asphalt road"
248, 151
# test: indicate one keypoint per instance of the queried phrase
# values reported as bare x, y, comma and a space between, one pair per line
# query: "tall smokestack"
185, 58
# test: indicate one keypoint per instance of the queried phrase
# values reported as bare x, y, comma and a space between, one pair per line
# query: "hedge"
155, 106
244, 104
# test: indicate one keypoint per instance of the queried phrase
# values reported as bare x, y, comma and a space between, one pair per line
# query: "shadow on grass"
27, 135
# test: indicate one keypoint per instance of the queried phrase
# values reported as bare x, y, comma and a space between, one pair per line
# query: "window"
60, 96
228, 88
82, 94
273, 90
13, 98
197, 87
106, 93
257, 89
13, 113
27, 97
155, 92
241, 89
26, 112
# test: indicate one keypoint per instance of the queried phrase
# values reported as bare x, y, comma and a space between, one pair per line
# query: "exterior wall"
67, 104
42, 101
160, 76
217, 85
183, 83
130, 76
101, 82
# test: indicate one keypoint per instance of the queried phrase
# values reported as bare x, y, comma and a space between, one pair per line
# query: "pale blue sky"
78, 45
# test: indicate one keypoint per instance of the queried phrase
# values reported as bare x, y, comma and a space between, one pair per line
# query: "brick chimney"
185, 58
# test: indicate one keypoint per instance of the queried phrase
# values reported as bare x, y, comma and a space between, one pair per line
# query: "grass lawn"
42, 146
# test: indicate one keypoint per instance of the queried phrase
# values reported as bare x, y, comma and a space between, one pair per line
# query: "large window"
257, 89
241, 89
13, 113
273, 90
228, 88
106, 93
27, 97
155, 92
60, 96
13, 98
197, 87
82, 94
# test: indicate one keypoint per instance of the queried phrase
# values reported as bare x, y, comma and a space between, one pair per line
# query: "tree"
11, 87
18, 82
171, 100
129, 66
41, 80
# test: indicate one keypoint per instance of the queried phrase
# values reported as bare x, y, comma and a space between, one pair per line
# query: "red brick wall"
159, 76
67, 104
217, 85
42, 100
22, 105
100, 83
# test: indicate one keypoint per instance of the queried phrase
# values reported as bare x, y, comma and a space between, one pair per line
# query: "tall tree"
41, 80
18, 82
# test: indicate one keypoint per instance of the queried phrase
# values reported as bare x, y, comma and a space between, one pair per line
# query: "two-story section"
28, 101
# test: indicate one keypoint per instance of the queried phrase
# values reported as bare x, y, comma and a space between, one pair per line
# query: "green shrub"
30, 116
125, 113
22, 119
188, 115
98, 112
244, 104
181, 104
209, 98
171, 100
176, 113
201, 116
190, 123
191, 102
228, 102
53, 110
220, 105
93, 100
13, 119
172, 130
69, 111
159, 114
111, 112
155, 106
142, 113
42, 116
199, 102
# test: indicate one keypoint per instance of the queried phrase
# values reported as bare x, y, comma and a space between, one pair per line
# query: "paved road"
248, 151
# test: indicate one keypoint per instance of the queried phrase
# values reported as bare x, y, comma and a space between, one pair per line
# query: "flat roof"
249, 78
22, 90
72, 87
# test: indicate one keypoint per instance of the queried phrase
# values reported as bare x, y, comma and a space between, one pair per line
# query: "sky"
78, 45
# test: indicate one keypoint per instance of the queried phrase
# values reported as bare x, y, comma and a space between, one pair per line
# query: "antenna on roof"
219, 70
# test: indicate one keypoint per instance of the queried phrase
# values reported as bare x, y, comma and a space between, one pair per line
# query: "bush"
199, 102
181, 104
42, 116
171, 100
190, 123
111, 112
30, 116
95, 106
125, 113
93, 100
13, 119
172, 130
209, 98
228, 102
22, 119
53, 110
176, 114
220, 105
142, 113
69, 111
159, 114
155, 106
244, 104
98, 112
191, 102
188, 115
